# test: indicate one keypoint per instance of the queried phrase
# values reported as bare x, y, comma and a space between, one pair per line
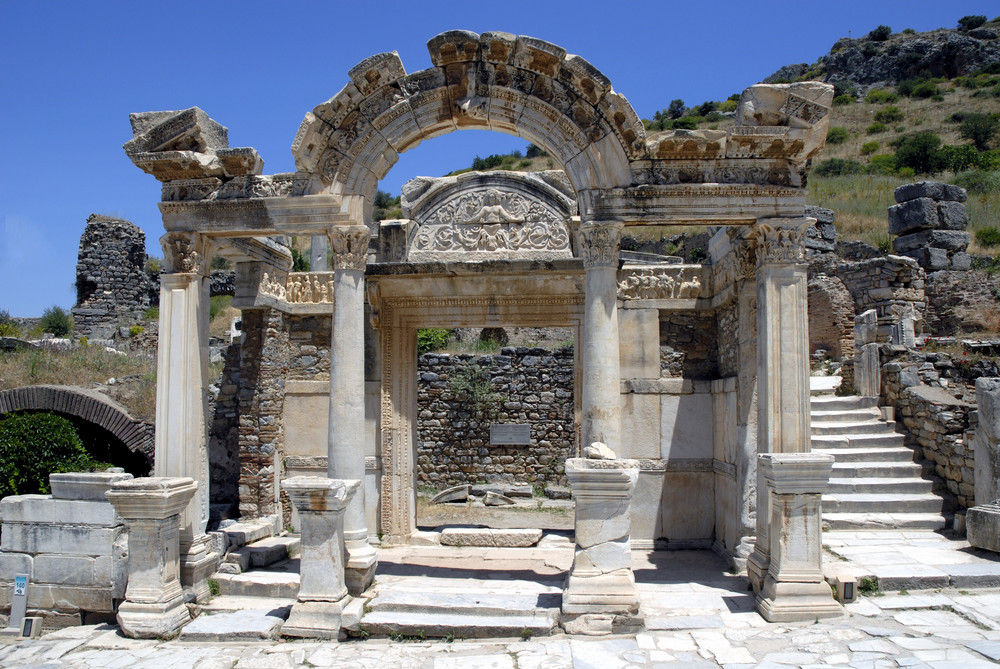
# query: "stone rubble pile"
930, 222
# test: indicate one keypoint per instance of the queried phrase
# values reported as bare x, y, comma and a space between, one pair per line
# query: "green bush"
978, 182
300, 262
833, 167
958, 158
917, 88
988, 161
988, 237
432, 339
473, 386
979, 129
57, 321
879, 96
971, 22
882, 164
870, 147
217, 305
32, 446
686, 123
921, 153
136, 330
8, 326
844, 99
890, 114
876, 128
880, 34
837, 135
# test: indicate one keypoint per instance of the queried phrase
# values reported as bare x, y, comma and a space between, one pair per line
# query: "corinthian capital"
601, 242
185, 253
781, 241
349, 246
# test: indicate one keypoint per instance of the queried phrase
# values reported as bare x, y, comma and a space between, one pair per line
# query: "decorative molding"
185, 253
600, 243
239, 188
660, 283
513, 236
349, 246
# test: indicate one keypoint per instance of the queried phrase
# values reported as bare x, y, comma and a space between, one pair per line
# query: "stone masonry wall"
521, 385
831, 316
688, 345
111, 286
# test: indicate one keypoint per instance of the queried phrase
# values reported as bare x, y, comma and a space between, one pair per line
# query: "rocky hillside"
883, 57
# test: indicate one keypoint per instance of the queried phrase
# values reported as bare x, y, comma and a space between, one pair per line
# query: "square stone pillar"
151, 508
346, 436
794, 588
982, 522
181, 444
601, 579
601, 386
321, 504
777, 247
867, 367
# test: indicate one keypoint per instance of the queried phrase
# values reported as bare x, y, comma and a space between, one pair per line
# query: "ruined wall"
688, 345
111, 286
522, 385
224, 438
831, 316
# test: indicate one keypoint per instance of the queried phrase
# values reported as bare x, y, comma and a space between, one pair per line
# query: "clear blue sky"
70, 73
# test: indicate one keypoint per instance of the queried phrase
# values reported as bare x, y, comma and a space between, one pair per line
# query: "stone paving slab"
237, 626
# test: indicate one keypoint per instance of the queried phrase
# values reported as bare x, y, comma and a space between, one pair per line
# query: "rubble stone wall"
520, 385
688, 345
831, 316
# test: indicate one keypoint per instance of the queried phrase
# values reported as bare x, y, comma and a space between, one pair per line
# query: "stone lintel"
727, 204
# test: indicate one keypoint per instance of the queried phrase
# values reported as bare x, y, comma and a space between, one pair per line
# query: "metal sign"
510, 434
19, 605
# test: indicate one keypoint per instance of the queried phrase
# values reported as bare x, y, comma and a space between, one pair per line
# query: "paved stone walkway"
697, 615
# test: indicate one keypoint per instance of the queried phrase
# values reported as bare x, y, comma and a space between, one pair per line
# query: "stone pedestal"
601, 579
793, 588
181, 444
346, 444
151, 508
601, 394
321, 504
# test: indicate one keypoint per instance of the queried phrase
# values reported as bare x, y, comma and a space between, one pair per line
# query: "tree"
676, 109
921, 152
979, 129
971, 22
32, 446
880, 34
56, 320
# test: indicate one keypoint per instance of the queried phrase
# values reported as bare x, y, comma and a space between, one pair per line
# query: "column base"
316, 620
196, 565
359, 572
791, 601
613, 592
153, 621
757, 566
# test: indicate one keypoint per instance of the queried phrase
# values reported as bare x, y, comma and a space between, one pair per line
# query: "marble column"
321, 504
151, 508
601, 387
346, 444
181, 443
777, 247
601, 580
794, 588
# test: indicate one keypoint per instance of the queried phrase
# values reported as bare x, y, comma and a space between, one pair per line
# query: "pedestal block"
601, 579
151, 508
320, 503
793, 588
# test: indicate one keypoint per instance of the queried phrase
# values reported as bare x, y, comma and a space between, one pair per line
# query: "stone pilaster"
181, 445
794, 588
346, 445
319, 248
321, 504
601, 580
601, 400
777, 248
151, 508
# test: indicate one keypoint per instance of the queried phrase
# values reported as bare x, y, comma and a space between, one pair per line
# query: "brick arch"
494, 81
87, 405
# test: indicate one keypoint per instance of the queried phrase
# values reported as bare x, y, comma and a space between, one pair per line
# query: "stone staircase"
875, 482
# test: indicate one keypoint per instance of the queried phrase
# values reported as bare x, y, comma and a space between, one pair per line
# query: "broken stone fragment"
459, 493
496, 499
598, 451
183, 130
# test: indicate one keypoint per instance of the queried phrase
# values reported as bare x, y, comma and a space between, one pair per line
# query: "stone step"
885, 470
468, 603
823, 385
873, 427
260, 554
236, 626
281, 584
883, 503
246, 532
847, 402
840, 441
845, 415
878, 484
868, 454
882, 521
230, 603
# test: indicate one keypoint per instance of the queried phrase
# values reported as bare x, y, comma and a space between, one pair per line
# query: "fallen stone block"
913, 215
496, 499
982, 526
459, 493
85, 485
953, 240
475, 536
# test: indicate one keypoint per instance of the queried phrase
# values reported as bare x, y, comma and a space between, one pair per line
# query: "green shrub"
686, 123
432, 339
909, 31
844, 99
57, 321
988, 237
473, 386
832, 167
870, 147
882, 164
879, 96
979, 129
136, 330
32, 446
971, 22
300, 262
988, 161
978, 182
728, 105
921, 153
217, 305
8, 326
958, 158
876, 128
837, 135
880, 34
925, 89
890, 114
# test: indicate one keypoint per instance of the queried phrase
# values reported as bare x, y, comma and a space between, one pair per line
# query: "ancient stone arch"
88, 405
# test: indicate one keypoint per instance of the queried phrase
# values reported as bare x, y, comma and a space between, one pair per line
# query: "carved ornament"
349, 246
185, 252
239, 188
659, 283
600, 243
299, 287
780, 244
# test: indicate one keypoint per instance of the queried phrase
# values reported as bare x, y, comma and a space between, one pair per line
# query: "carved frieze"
185, 252
600, 243
349, 246
239, 188
299, 287
659, 283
